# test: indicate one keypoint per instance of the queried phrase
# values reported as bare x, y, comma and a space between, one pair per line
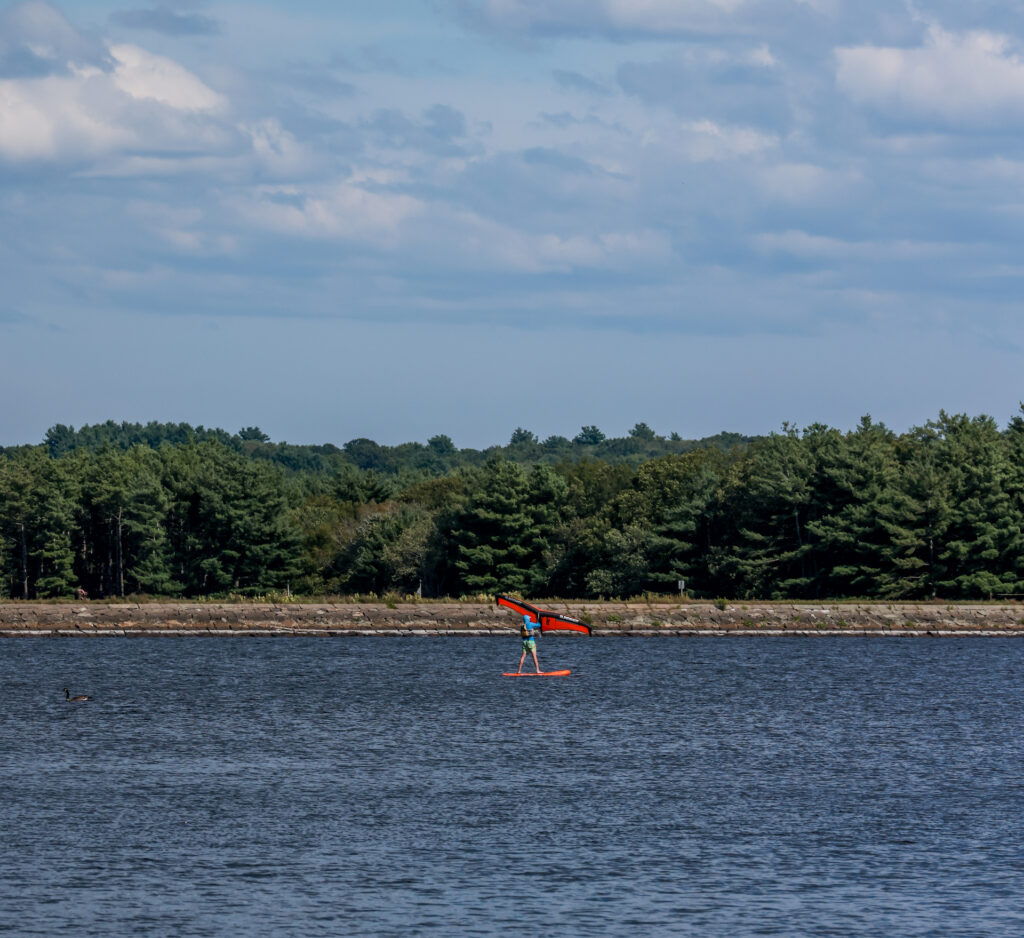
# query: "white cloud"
697, 141
661, 15
646, 16
762, 56
145, 76
707, 140
341, 210
184, 228
552, 253
803, 182
438, 235
48, 117
277, 149
822, 247
42, 30
465, 240
145, 101
967, 77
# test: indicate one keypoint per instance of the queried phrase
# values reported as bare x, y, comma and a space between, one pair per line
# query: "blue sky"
414, 217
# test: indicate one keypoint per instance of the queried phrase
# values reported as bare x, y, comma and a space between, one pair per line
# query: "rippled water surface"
383, 786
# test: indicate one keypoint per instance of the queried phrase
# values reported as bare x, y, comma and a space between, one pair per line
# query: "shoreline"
432, 619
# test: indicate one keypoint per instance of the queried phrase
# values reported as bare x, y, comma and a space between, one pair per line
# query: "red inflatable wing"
555, 622
517, 605
548, 621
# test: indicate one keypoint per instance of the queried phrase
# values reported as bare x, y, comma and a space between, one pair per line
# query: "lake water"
385, 786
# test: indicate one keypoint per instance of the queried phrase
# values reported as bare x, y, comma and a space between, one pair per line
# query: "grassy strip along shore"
451, 618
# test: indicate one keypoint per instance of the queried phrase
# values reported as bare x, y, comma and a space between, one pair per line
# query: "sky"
394, 220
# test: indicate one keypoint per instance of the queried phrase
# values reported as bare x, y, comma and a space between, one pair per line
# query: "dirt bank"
435, 618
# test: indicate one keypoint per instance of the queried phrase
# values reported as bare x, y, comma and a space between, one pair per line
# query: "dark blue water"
708, 786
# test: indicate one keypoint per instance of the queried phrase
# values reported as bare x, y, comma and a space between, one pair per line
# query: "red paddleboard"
534, 673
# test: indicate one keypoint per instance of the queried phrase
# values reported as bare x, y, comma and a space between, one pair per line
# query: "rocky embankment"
437, 618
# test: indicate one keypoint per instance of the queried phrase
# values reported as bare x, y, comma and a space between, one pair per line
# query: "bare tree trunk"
800, 542
24, 564
120, 555
931, 567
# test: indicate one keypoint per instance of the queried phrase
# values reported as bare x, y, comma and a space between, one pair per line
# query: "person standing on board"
529, 643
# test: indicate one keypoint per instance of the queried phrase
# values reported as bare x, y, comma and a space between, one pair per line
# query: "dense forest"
174, 510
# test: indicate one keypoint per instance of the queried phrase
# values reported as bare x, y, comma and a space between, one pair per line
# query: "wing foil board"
535, 674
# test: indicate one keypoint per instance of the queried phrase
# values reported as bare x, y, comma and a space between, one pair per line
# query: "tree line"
438, 456
170, 510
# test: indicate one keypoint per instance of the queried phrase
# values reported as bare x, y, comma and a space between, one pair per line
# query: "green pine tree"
492, 532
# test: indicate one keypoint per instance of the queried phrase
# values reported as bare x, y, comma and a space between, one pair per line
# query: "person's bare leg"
535, 661
521, 660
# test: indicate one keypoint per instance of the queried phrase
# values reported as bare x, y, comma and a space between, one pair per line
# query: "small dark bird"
67, 696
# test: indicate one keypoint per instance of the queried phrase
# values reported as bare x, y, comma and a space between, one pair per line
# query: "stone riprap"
439, 618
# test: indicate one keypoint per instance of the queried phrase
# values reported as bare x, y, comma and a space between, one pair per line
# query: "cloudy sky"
343, 219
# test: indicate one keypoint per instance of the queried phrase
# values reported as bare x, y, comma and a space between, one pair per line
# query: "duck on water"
67, 696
